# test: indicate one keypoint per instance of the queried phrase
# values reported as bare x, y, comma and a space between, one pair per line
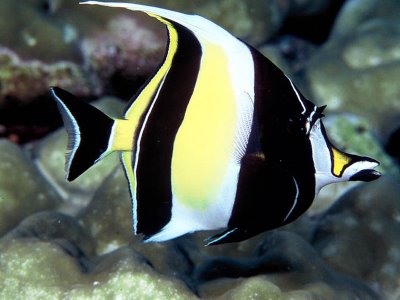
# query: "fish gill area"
74, 240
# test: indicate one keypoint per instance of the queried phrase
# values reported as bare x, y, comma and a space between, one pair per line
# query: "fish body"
219, 137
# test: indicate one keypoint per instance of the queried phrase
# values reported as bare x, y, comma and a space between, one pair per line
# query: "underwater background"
62, 240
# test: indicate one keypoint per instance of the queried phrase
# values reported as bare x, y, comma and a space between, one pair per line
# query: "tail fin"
89, 131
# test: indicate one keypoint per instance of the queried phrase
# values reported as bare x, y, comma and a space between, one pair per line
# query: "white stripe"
112, 137
309, 120
312, 114
295, 200
138, 146
216, 216
109, 144
76, 138
297, 94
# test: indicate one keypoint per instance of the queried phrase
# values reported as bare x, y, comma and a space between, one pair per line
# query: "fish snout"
367, 173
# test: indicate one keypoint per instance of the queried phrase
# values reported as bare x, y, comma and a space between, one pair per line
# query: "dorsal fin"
195, 23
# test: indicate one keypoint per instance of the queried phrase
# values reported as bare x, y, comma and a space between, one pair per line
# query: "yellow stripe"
340, 160
144, 98
126, 129
204, 143
126, 159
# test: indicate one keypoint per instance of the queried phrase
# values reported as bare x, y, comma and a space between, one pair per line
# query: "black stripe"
276, 105
290, 150
143, 115
268, 186
154, 193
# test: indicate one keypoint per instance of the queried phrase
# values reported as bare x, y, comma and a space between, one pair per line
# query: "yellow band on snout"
339, 162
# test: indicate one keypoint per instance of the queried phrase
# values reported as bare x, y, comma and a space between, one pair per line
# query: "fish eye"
297, 125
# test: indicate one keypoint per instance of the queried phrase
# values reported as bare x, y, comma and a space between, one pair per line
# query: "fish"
218, 138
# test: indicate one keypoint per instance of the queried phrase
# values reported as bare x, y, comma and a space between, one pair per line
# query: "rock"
124, 274
356, 71
82, 39
356, 13
254, 21
193, 244
57, 275
308, 7
109, 214
50, 256
359, 234
36, 270
109, 219
290, 54
295, 264
28, 28
58, 228
22, 188
25, 80
49, 232
43, 255
169, 259
59, 23
274, 54
50, 159
289, 262
131, 46
49, 156
257, 287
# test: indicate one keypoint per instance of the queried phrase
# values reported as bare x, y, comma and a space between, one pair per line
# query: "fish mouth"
366, 175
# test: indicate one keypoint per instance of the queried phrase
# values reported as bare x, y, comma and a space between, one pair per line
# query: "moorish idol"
218, 138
